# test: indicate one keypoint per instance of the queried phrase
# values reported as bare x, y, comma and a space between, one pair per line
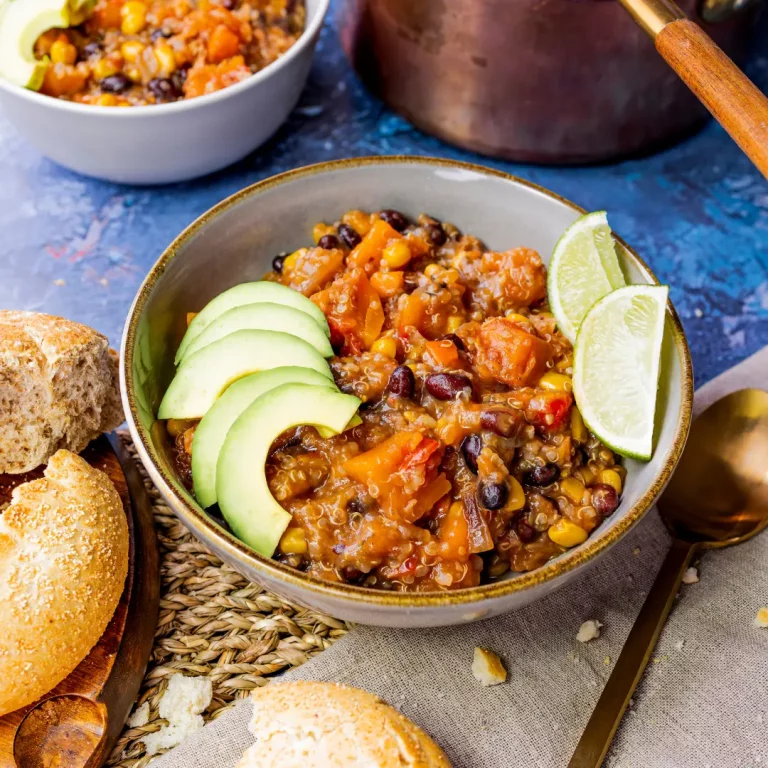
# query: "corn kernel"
457, 508
165, 59
556, 382
586, 474
290, 261
63, 53
573, 488
293, 542
134, 74
320, 230
396, 254
131, 50
189, 435
175, 426
516, 495
515, 317
432, 269
386, 346
454, 322
107, 100
134, 17
567, 534
103, 68
578, 429
358, 220
610, 477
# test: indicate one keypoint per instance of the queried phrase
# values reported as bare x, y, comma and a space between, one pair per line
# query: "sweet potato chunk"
508, 353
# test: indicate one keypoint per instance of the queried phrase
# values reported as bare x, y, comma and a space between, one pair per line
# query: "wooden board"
77, 723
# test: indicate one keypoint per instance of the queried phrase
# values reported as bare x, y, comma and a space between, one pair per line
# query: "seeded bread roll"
318, 725
63, 563
58, 388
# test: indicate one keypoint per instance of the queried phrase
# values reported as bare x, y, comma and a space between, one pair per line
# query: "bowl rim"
306, 39
204, 527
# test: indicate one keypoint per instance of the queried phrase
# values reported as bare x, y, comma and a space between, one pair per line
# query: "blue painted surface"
698, 213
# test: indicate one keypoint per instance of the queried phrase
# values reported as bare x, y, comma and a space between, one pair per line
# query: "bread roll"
320, 725
63, 563
58, 388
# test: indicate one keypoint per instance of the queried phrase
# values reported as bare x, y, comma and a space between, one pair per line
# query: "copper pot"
545, 81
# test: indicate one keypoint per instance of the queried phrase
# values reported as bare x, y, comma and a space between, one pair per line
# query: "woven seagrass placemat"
216, 623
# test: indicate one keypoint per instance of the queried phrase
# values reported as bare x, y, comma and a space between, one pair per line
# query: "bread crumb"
761, 618
636, 551
679, 645
589, 630
691, 576
181, 705
607, 661
140, 716
488, 668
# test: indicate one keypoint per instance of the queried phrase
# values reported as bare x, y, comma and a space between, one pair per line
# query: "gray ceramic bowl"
235, 242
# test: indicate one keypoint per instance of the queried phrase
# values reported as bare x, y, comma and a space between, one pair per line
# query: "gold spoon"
717, 497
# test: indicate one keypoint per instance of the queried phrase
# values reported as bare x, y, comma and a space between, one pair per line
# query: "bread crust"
63, 562
315, 725
58, 388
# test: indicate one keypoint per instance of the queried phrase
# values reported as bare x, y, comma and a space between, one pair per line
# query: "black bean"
401, 381
356, 505
91, 49
458, 343
158, 33
542, 476
179, 77
470, 448
277, 263
604, 499
446, 386
116, 83
504, 423
435, 233
350, 574
163, 89
395, 219
348, 235
525, 532
328, 242
493, 495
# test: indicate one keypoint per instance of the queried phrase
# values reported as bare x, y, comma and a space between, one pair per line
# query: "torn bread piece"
488, 668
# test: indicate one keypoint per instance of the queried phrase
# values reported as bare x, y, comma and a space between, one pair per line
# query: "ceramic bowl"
235, 242
167, 143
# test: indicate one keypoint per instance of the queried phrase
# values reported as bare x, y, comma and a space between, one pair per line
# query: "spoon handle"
596, 739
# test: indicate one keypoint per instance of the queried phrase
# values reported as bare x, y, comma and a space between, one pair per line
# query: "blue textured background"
698, 213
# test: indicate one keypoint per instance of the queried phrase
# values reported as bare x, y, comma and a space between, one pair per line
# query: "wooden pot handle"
720, 85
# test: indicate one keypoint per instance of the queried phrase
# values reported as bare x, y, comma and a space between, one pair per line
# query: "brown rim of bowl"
201, 525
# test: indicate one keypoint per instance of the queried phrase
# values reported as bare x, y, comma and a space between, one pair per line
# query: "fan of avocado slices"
21, 23
253, 364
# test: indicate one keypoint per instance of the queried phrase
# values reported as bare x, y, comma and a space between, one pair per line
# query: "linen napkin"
703, 702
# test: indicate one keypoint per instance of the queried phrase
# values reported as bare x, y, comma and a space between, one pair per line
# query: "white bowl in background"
167, 143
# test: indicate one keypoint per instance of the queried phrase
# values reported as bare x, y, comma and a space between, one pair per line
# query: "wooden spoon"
717, 497
719, 84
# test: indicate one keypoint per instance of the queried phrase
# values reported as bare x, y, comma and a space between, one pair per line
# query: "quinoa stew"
471, 458
132, 53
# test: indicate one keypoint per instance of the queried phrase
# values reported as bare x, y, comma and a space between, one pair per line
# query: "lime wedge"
616, 367
583, 269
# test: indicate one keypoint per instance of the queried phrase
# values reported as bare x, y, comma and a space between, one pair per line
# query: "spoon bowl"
718, 495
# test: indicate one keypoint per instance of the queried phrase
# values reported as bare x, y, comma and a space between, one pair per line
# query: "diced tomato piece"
549, 410
508, 353
421, 454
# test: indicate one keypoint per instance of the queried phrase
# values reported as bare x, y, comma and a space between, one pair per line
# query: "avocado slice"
263, 317
21, 23
212, 430
206, 374
241, 485
249, 293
